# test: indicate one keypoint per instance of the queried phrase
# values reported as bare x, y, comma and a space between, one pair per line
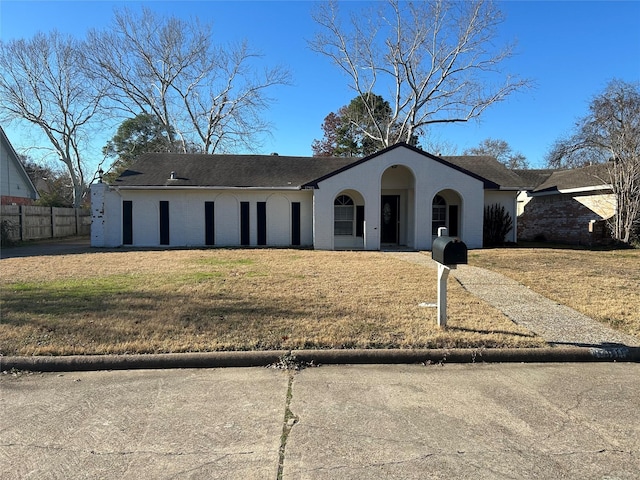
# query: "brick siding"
561, 219
8, 200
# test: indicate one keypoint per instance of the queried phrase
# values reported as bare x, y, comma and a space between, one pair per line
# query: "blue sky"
569, 49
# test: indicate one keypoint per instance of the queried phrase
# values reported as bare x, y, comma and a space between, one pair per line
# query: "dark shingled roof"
488, 167
261, 171
575, 178
532, 178
275, 171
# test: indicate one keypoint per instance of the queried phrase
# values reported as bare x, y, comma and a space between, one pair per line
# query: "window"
343, 215
439, 214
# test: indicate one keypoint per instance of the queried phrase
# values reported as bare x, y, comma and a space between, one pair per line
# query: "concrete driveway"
556, 421
56, 246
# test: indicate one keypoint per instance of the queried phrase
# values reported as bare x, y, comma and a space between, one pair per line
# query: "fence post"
23, 223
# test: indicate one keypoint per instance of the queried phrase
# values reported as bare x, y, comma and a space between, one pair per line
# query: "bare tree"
167, 67
435, 57
502, 151
52, 181
43, 83
610, 134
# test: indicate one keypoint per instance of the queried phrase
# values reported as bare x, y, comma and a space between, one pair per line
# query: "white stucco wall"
430, 177
187, 216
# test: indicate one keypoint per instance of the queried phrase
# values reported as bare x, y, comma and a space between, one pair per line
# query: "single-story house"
566, 206
16, 187
396, 197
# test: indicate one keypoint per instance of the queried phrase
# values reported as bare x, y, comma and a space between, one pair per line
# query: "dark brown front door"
389, 218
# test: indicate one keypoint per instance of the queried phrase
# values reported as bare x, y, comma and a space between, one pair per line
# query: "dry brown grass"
604, 285
208, 300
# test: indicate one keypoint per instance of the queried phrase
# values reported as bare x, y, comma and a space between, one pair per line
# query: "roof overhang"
190, 187
569, 191
595, 188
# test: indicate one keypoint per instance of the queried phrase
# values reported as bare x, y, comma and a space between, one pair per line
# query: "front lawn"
225, 299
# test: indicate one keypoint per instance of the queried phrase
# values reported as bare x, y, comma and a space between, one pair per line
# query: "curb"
286, 358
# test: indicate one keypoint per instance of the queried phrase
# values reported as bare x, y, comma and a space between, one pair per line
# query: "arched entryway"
397, 207
446, 211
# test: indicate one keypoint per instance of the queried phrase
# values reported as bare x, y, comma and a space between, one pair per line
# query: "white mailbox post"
443, 278
448, 252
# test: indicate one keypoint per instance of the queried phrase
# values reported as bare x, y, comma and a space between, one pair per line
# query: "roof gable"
467, 169
12, 156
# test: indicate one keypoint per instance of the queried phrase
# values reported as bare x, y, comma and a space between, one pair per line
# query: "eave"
191, 187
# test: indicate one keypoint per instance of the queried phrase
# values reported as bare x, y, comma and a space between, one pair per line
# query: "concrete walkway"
557, 324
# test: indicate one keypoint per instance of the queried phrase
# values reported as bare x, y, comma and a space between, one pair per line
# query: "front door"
390, 217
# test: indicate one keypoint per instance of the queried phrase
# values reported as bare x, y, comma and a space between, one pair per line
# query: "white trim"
543, 193
585, 189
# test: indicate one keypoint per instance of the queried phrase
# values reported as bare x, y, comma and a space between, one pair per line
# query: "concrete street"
481, 421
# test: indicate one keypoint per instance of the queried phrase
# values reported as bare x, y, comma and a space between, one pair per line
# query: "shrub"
8, 233
497, 223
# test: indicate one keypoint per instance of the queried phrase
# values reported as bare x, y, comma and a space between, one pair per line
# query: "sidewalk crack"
290, 419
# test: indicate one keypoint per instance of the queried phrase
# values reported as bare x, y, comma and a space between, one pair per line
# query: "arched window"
343, 215
438, 214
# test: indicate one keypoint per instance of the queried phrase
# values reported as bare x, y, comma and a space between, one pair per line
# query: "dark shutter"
295, 223
209, 224
127, 222
360, 221
164, 222
262, 223
244, 223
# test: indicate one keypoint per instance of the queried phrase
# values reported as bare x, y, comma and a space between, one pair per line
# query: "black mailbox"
449, 251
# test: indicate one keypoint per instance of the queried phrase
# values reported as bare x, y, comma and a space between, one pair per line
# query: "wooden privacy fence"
22, 222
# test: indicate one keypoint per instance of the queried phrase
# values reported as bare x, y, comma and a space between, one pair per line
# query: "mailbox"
449, 251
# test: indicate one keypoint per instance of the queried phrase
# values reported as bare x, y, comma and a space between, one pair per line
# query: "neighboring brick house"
566, 206
15, 186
